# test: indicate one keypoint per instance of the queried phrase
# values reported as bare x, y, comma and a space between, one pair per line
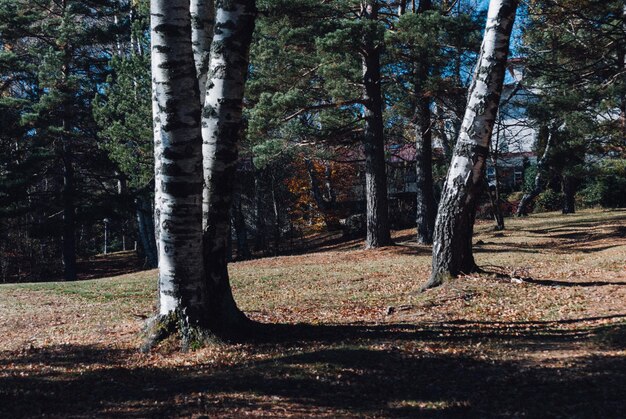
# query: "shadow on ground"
360, 370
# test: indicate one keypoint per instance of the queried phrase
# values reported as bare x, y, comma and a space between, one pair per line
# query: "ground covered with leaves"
345, 332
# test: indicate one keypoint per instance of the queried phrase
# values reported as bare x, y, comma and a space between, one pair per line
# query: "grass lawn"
349, 335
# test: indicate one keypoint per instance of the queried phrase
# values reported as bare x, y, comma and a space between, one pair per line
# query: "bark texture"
202, 25
425, 199
452, 248
378, 232
178, 175
221, 132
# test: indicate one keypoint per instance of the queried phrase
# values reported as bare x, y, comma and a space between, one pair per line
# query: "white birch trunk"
178, 171
452, 248
221, 131
202, 24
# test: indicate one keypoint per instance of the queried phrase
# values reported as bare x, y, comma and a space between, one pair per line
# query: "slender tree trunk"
494, 197
69, 184
183, 297
331, 196
69, 208
324, 196
277, 220
241, 229
378, 232
452, 248
494, 190
260, 243
622, 68
569, 194
315, 186
425, 198
522, 209
221, 132
401, 7
202, 25
145, 226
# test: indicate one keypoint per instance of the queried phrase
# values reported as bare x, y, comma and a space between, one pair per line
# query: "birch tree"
182, 301
452, 247
221, 132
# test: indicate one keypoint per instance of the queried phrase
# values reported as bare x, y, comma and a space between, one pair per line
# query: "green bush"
549, 200
607, 186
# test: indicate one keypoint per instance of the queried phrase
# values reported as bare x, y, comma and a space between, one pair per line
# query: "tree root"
436, 280
193, 336
175, 324
439, 278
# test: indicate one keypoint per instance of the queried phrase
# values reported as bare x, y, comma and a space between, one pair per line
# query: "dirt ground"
344, 332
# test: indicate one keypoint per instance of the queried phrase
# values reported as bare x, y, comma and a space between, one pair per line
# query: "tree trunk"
522, 209
569, 194
424, 6
69, 209
324, 197
221, 132
69, 185
183, 302
276, 218
331, 196
260, 243
316, 191
425, 199
241, 229
494, 197
494, 190
452, 248
621, 64
378, 233
202, 25
401, 7
145, 226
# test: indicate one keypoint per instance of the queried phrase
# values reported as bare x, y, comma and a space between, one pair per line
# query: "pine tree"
575, 53
61, 47
123, 113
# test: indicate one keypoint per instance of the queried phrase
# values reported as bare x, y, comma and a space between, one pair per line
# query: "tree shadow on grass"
498, 274
359, 370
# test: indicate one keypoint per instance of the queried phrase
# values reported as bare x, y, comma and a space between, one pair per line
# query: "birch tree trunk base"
175, 325
234, 326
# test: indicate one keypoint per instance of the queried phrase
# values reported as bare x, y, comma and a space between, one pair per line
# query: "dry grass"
351, 335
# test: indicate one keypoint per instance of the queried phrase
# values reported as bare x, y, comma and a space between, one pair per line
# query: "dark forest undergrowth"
344, 332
